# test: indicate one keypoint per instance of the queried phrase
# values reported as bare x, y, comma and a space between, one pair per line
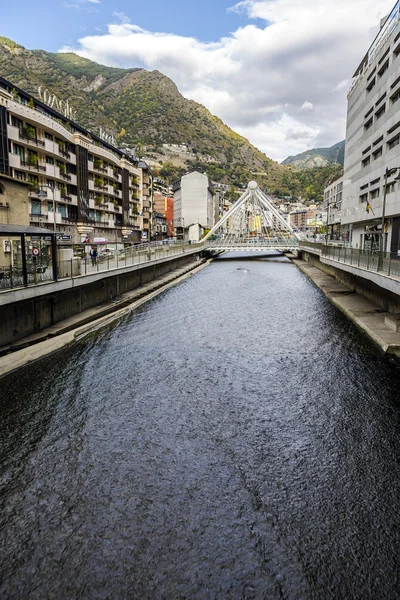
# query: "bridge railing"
278, 242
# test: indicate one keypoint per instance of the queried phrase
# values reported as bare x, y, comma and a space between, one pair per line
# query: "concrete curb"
19, 358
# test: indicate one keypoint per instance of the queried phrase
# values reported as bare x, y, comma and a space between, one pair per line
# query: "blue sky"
59, 23
275, 71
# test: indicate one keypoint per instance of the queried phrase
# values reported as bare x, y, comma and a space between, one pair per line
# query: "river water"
236, 437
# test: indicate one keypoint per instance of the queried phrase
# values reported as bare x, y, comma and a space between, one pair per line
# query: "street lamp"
42, 194
388, 172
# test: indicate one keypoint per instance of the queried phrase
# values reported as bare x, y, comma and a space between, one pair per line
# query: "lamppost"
42, 194
388, 172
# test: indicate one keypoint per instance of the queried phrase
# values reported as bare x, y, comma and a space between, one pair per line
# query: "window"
374, 193
390, 187
378, 141
48, 136
368, 124
17, 123
50, 184
383, 68
368, 113
50, 206
371, 85
91, 214
49, 160
362, 187
380, 99
61, 208
377, 153
394, 127
380, 111
395, 141
395, 82
19, 175
366, 150
396, 51
395, 96
35, 207
384, 56
375, 181
366, 161
20, 151
363, 198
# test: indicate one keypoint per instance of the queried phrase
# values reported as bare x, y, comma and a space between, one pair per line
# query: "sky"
275, 71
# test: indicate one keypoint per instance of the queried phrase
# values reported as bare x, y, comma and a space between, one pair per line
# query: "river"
236, 437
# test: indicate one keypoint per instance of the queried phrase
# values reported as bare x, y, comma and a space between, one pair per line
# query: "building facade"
193, 202
164, 205
79, 184
332, 206
372, 156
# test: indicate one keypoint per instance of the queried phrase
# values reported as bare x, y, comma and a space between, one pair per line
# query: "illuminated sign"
62, 106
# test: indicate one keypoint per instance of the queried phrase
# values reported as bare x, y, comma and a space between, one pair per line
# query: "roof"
24, 229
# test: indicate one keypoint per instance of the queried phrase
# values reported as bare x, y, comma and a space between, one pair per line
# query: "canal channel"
236, 437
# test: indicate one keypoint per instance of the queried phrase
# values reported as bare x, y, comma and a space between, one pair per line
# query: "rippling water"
235, 438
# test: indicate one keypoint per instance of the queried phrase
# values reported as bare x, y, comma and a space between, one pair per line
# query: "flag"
369, 208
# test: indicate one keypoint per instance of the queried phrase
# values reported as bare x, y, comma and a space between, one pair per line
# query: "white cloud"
306, 106
82, 5
280, 81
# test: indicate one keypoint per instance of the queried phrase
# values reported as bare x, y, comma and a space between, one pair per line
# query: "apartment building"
193, 204
332, 206
164, 205
79, 184
372, 156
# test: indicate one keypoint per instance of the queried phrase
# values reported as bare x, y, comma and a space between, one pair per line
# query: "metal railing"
41, 271
386, 263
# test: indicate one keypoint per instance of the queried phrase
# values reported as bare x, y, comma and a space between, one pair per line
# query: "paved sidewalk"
364, 313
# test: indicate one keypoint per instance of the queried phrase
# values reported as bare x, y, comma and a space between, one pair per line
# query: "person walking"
93, 255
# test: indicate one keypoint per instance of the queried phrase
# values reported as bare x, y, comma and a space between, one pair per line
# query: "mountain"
145, 110
317, 157
140, 108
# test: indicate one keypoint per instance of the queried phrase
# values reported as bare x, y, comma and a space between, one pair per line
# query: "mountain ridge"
317, 157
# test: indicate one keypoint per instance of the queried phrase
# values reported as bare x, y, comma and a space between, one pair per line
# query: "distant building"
193, 203
332, 205
159, 226
164, 205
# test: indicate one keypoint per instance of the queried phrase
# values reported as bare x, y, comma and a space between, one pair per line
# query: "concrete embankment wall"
29, 316
360, 285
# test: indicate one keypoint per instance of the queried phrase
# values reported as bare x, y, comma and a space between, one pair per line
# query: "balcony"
64, 152
32, 167
31, 140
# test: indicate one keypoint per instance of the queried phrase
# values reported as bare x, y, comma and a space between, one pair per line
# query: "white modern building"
371, 193
193, 205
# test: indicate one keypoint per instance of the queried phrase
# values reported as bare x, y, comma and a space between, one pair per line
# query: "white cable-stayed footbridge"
253, 223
